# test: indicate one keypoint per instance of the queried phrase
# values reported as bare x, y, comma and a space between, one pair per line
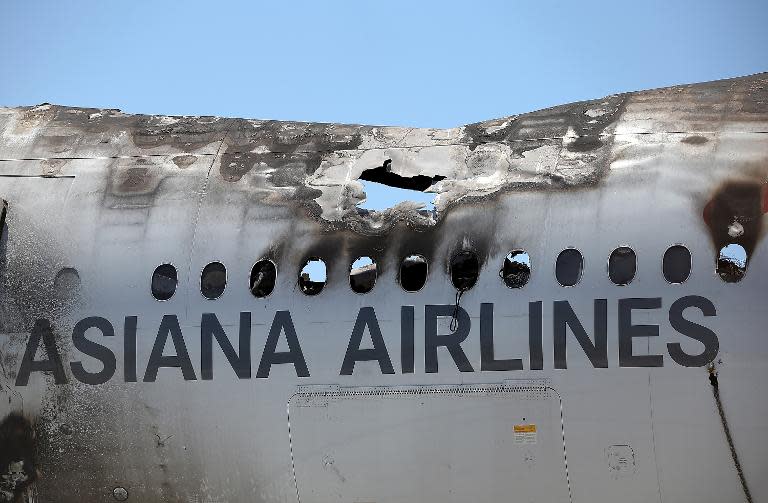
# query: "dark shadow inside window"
465, 268
164, 282
676, 265
362, 275
413, 273
263, 277
213, 280
569, 266
622, 265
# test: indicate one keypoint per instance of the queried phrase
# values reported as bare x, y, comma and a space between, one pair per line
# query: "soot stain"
585, 144
694, 140
741, 202
18, 464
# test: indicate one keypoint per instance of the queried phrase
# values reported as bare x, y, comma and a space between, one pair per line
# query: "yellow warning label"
525, 434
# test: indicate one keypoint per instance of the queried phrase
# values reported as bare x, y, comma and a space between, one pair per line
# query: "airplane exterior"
566, 325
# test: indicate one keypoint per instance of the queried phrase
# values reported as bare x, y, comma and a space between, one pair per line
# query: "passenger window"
213, 280
732, 263
516, 269
362, 275
263, 277
313, 276
568, 267
465, 268
413, 273
622, 265
164, 281
676, 264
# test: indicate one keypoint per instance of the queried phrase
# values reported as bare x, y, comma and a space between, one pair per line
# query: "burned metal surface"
124, 194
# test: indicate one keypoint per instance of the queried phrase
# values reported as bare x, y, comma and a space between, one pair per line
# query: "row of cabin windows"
464, 270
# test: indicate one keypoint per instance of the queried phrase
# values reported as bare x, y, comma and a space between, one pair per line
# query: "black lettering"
41, 330
406, 339
210, 328
366, 317
487, 360
129, 349
693, 330
94, 350
534, 335
565, 317
628, 331
282, 323
452, 341
169, 325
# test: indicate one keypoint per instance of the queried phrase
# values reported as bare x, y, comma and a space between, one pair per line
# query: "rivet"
120, 493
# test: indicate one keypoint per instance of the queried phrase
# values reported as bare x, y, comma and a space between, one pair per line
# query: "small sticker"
525, 433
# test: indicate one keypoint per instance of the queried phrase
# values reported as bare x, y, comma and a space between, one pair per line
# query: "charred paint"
18, 466
736, 202
584, 144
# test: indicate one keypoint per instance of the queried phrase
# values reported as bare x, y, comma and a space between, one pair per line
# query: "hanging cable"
455, 317
727, 431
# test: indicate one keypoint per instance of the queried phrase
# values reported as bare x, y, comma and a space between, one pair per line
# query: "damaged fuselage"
198, 309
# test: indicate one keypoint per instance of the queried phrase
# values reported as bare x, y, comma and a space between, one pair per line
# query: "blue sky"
426, 64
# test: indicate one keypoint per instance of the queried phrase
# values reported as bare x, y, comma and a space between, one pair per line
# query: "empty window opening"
465, 267
516, 270
732, 263
413, 273
164, 282
676, 264
213, 280
362, 275
384, 189
263, 277
569, 266
622, 265
313, 276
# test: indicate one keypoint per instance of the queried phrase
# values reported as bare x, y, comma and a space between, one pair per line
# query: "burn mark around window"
465, 268
734, 216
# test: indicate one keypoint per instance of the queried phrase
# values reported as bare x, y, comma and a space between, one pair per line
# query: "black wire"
455, 317
728, 437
